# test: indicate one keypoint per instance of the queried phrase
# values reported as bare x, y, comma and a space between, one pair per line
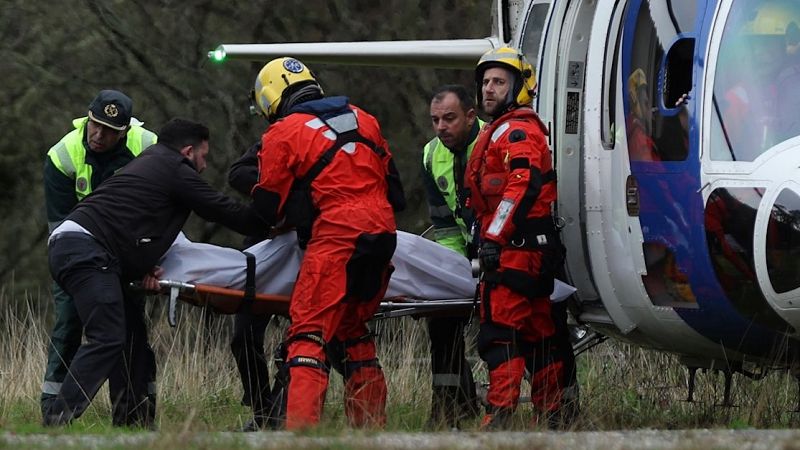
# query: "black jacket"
137, 213
243, 174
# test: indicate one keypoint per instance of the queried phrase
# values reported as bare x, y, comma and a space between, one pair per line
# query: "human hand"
489, 255
684, 99
150, 280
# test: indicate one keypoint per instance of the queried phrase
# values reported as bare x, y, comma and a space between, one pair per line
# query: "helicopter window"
757, 82
610, 71
666, 282
730, 218
532, 36
673, 143
783, 242
678, 72
655, 135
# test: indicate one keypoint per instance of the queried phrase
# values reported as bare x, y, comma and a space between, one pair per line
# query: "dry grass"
622, 386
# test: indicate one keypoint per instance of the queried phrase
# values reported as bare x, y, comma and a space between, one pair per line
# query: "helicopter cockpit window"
730, 222
783, 242
659, 134
534, 28
757, 81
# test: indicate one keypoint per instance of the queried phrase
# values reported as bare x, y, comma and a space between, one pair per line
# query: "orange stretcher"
230, 301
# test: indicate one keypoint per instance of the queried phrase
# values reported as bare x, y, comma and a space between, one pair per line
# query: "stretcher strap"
249, 283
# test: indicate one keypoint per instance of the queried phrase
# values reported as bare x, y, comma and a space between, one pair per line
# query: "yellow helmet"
636, 81
514, 60
773, 17
278, 81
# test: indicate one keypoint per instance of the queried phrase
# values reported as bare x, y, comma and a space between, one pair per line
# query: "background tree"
55, 56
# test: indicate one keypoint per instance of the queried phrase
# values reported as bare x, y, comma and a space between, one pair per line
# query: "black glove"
489, 255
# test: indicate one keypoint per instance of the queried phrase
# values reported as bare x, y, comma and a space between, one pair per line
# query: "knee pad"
359, 353
307, 360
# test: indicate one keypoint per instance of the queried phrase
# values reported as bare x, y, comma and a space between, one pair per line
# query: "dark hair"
464, 98
179, 132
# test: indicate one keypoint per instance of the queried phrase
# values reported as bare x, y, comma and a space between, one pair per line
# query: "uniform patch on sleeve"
517, 136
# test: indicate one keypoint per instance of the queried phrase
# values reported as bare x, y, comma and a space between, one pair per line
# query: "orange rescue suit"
347, 263
512, 187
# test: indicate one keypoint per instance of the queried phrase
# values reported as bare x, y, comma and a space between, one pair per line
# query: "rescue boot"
365, 385
496, 419
563, 417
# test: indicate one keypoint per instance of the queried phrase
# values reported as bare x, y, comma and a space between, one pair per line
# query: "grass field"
622, 387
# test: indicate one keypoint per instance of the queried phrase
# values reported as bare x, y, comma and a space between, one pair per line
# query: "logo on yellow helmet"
293, 65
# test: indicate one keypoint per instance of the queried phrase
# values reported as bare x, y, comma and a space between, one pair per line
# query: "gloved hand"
489, 254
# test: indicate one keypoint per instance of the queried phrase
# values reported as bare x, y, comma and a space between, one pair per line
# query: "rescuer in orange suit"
325, 167
512, 187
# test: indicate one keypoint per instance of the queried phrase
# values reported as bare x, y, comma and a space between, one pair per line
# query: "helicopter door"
657, 72
567, 136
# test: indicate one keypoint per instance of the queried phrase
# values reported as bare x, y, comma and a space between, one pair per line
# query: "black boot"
256, 423
57, 414
468, 401
279, 394
443, 408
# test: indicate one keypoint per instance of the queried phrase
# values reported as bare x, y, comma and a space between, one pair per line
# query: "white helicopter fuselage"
680, 218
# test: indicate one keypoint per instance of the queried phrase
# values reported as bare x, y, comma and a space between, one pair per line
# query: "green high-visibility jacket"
443, 169
72, 171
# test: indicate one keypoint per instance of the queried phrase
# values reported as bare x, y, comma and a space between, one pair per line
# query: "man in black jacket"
117, 235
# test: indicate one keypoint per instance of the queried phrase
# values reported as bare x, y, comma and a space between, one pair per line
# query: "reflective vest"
438, 161
69, 154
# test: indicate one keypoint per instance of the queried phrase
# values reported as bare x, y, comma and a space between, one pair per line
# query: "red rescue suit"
512, 186
347, 263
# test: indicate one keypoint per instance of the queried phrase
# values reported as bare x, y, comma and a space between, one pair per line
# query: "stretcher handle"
236, 293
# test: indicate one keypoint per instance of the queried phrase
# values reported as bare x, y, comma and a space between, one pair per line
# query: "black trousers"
563, 349
454, 396
116, 347
247, 346
65, 338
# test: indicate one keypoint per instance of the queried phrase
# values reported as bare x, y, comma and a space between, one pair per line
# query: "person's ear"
187, 151
471, 114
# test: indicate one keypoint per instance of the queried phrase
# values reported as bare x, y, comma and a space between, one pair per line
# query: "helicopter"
674, 129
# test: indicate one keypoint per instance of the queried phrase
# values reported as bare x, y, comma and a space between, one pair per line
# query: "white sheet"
423, 269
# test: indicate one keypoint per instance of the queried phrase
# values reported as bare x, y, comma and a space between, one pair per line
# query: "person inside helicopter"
756, 106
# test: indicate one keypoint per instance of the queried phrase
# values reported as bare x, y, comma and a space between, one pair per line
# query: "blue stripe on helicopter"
672, 210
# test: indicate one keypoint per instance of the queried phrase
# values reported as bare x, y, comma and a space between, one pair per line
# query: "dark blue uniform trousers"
116, 347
